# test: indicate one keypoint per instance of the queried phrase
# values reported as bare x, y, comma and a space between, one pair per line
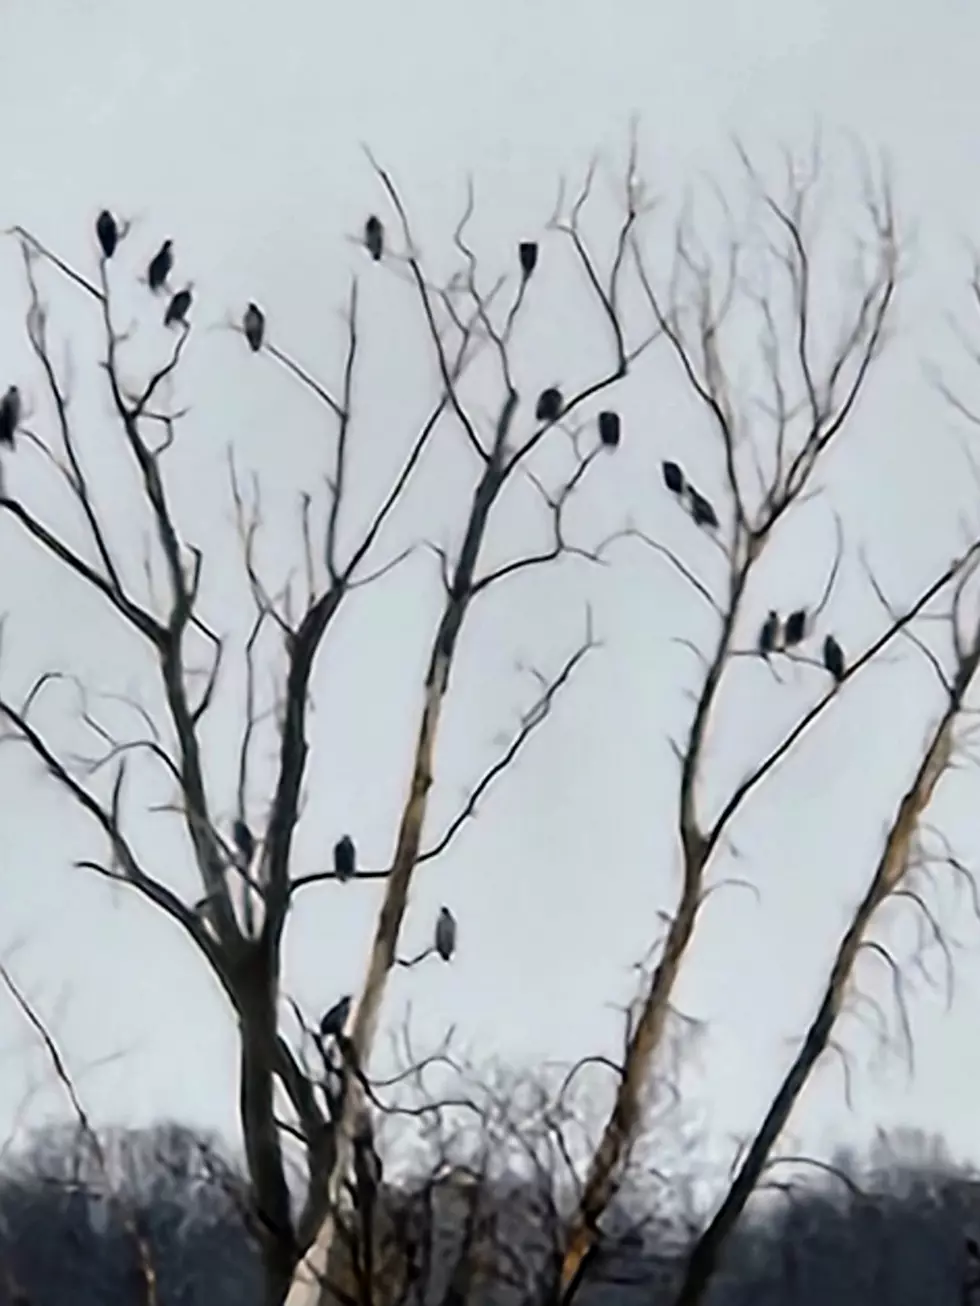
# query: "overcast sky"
237, 131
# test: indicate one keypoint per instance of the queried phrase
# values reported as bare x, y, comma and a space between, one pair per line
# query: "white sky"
236, 130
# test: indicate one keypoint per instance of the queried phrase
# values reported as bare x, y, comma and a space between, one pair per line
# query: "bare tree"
771, 450
247, 876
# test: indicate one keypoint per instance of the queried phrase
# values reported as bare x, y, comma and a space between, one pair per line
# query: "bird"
253, 324
344, 858
176, 313
795, 627
333, 1021
9, 416
244, 841
527, 252
609, 429
833, 658
701, 509
160, 265
769, 633
549, 404
446, 934
673, 477
374, 237
107, 233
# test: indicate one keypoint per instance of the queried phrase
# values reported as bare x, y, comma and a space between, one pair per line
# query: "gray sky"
237, 132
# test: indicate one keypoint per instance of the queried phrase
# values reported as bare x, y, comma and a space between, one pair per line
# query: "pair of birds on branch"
344, 852
701, 509
777, 635
157, 272
253, 320
374, 242
549, 408
345, 867
333, 1022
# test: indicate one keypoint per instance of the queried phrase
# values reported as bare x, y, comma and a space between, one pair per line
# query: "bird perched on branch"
333, 1021
527, 252
244, 842
374, 237
702, 509
673, 477
10, 409
176, 314
795, 627
609, 429
253, 324
549, 405
107, 233
769, 633
344, 858
446, 934
160, 266
833, 658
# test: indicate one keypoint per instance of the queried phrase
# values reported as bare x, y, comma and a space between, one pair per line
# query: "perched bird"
673, 477
769, 633
701, 509
374, 237
107, 233
9, 416
833, 658
549, 404
795, 627
160, 265
344, 858
446, 934
244, 842
527, 252
253, 324
609, 429
176, 313
335, 1019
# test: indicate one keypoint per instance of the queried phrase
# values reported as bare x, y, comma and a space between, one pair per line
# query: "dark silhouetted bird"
176, 313
160, 265
335, 1019
107, 233
374, 237
769, 633
833, 658
609, 429
795, 627
9, 416
673, 477
344, 858
253, 324
446, 934
244, 842
701, 509
549, 405
527, 252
